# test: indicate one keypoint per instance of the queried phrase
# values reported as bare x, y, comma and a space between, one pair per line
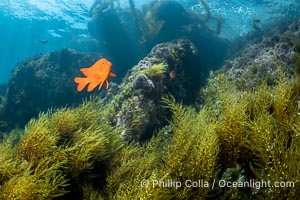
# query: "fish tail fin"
82, 82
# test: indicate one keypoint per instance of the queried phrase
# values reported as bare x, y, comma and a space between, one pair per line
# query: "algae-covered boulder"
136, 103
43, 82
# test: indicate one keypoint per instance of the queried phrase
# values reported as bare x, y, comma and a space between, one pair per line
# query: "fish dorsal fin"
86, 71
96, 67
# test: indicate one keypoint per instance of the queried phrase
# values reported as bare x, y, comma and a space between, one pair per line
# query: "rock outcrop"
136, 104
43, 82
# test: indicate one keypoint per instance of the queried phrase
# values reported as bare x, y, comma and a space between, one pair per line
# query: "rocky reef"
259, 59
40, 83
136, 102
3, 90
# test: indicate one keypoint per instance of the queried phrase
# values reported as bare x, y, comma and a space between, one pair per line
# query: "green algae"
155, 70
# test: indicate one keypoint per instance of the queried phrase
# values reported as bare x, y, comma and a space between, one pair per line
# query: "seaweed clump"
155, 70
55, 152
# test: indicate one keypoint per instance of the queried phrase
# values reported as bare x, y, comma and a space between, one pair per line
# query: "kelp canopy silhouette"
127, 34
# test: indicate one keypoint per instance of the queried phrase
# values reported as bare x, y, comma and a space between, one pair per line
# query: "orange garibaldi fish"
96, 75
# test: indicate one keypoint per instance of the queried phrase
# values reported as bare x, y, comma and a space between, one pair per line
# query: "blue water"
31, 27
